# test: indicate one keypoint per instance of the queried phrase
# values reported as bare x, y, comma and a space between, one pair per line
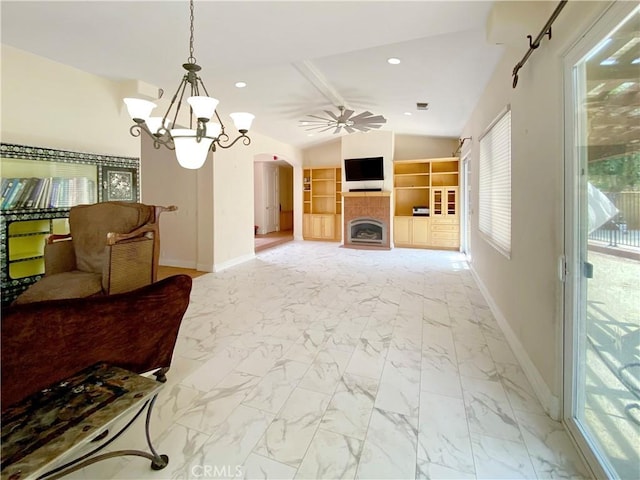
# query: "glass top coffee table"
47, 434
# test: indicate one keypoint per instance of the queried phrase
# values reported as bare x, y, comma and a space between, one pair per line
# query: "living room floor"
314, 361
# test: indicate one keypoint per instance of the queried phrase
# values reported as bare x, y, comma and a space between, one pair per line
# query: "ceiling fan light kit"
191, 144
363, 122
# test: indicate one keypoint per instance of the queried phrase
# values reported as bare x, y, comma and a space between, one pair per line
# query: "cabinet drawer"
435, 235
445, 220
445, 243
445, 227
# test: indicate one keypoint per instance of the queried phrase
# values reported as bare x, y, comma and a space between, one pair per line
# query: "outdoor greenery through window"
495, 184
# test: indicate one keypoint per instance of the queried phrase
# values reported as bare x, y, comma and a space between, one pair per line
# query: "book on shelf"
32, 201
48, 192
26, 192
14, 194
7, 185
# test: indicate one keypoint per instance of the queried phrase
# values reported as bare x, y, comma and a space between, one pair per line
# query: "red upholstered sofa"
44, 342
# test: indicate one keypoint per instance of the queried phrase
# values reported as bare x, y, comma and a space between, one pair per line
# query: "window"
495, 184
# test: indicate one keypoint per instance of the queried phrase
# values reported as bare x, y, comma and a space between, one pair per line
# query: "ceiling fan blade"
332, 115
361, 115
346, 114
349, 129
376, 119
320, 118
326, 128
318, 127
337, 130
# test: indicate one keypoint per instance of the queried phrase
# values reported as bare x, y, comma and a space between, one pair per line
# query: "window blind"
494, 209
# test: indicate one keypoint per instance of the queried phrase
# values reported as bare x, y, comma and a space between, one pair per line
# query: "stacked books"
48, 192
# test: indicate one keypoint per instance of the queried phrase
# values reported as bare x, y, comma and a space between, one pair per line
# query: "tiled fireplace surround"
375, 205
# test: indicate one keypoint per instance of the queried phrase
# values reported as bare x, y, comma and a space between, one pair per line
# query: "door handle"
587, 270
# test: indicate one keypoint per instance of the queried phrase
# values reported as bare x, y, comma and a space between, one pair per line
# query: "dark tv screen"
360, 169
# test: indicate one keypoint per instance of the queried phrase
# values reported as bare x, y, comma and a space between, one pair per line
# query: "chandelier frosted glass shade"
190, 152
242, 120
139, 109
203, 107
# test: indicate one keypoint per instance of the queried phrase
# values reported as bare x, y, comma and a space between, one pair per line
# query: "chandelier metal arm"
243, 135
158, 138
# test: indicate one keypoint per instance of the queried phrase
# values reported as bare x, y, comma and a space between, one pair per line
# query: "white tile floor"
320, 362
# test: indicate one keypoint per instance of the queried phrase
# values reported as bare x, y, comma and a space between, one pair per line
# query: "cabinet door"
437, 202
328, 226
451, 200
316, 226
306, 226
420, 231
402, 230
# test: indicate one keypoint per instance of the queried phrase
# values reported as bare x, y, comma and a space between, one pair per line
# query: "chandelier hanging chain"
191, 58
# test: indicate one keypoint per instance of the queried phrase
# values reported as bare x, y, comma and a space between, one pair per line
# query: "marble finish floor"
319, 362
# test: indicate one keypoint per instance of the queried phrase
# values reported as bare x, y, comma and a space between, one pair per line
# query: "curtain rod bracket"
460, 144
533, 44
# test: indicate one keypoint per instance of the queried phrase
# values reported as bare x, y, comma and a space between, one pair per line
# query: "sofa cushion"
74, 284
89, 225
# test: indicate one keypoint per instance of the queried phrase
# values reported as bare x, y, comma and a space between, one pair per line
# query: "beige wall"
524, 291
178, 230
233, 202
328, 154
49, 104
409, 147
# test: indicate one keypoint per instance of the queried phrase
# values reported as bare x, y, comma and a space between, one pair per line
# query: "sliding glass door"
602, 303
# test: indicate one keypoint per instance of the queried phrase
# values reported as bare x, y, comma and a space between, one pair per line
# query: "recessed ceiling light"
393, 61
241, 84
309, 134
407, 113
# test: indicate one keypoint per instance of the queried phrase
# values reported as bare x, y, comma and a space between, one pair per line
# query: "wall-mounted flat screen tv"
361, 169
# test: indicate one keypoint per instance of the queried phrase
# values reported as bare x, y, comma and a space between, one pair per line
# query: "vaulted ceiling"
296, 57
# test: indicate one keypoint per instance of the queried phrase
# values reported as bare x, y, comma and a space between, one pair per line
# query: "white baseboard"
549, 401
217, 267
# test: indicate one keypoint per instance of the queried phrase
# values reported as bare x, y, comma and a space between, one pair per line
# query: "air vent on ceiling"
422, 106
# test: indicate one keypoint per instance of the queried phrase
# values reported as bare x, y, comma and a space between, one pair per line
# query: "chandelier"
191, 144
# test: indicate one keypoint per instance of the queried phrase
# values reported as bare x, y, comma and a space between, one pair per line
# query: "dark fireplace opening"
368, 231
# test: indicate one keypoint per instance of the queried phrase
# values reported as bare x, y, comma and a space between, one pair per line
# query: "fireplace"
367, 231
367, 220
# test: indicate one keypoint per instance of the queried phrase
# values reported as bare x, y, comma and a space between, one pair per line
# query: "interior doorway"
273, 201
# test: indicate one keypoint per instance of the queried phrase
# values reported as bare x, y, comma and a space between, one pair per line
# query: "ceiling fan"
362, 122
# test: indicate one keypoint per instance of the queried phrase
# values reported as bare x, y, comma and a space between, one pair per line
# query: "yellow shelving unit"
322, 203
431, 184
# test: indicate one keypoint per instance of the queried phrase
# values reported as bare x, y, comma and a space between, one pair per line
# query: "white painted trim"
549, 401
218, 267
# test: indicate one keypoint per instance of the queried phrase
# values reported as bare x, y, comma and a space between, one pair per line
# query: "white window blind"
494, 207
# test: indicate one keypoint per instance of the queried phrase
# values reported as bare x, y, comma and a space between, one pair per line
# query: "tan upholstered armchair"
112, 247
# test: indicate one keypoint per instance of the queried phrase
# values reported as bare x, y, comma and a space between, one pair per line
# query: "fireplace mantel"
367, 194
